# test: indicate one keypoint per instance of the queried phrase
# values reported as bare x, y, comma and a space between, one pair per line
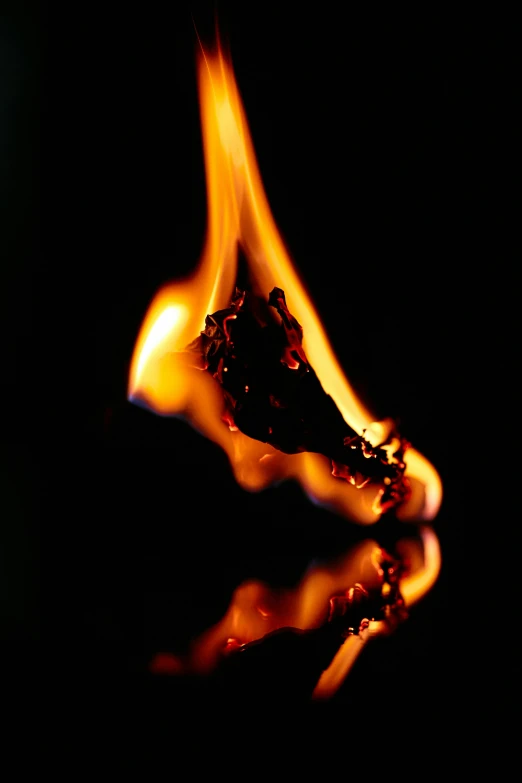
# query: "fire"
164, 379
413, 587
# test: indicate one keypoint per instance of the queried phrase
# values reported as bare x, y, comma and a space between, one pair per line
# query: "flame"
413, 587
418, 582
160, 378
256, 610
163, 378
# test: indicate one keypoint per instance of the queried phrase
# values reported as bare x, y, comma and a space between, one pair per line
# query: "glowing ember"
356, 467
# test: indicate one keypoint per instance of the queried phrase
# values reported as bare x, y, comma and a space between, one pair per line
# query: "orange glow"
304, 607
417, 584
165, 378
161, 375
332, 677
257, 609
413, 587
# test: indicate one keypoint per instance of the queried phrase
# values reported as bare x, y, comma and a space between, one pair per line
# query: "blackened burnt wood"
254, 349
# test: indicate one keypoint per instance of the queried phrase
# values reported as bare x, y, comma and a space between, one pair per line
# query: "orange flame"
163, 379
256, 610
239, 213
413, 587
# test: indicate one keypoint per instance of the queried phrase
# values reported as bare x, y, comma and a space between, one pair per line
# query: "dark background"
384, 143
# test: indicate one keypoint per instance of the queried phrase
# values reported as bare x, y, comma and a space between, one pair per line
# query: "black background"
384, 143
